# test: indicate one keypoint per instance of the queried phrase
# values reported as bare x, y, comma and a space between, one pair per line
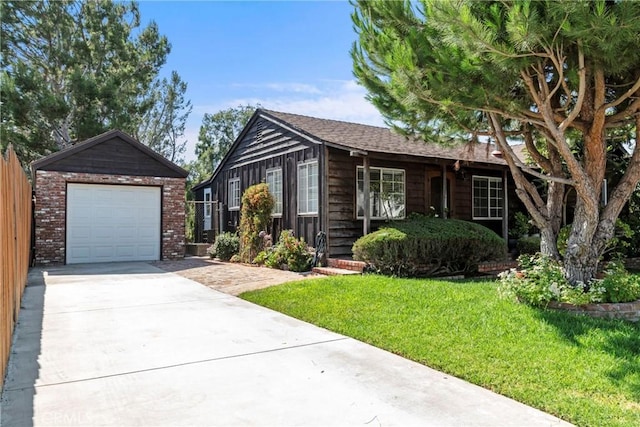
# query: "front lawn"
583, 370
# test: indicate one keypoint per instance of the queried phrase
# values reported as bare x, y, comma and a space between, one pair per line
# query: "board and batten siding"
265, 146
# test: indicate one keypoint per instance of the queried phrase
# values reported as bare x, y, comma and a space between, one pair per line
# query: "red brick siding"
51, 201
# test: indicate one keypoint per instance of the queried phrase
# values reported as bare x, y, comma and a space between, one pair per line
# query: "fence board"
15, 242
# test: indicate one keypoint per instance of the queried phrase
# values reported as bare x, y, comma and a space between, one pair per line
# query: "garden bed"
624, 310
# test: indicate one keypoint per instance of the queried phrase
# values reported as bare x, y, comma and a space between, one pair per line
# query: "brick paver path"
228, 277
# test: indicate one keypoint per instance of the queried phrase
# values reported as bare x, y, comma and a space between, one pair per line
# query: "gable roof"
354, 136
366, 138
108, 136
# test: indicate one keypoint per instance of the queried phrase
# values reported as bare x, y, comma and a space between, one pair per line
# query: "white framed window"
308, 188
274, 181
487, 197
234, 194
386, 193
207, 202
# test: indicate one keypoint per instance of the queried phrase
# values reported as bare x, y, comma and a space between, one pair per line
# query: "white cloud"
329, 99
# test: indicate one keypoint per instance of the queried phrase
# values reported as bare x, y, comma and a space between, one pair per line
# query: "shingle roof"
381, 140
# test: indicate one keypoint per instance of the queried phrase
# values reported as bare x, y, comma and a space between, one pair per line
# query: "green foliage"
520, 226
72, 70
162, 127
225, 246
618, 284
528, 245
217, 132
289, 251
255, 216
580, 369
541, 279
428, 246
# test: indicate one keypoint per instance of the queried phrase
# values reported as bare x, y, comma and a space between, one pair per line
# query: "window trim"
306, 165
489, 179
207, 203
231, 197
267, 172
404, 185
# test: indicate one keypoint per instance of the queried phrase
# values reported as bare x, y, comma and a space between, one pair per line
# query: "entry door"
107, 223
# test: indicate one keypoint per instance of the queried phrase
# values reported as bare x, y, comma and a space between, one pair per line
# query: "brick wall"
50, 211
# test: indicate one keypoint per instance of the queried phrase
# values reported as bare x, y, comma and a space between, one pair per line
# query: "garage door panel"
112, 223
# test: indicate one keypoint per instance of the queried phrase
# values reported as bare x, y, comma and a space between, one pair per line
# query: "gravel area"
227, 277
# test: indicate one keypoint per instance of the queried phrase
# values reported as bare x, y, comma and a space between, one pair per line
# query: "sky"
290, 56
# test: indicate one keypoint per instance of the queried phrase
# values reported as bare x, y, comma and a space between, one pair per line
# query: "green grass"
583, 370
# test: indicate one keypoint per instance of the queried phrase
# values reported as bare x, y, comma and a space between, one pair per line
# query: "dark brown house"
317, 170
109, 198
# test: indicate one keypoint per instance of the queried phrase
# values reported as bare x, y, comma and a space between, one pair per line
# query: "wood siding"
345, 228
115, 157
265, 146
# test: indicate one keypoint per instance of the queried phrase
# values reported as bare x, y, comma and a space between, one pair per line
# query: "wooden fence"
15, 242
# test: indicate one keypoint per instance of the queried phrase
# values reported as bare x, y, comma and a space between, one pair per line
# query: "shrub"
255, 216
225, 246
541, 279
618, 285
528, 245
288, 251
422, 246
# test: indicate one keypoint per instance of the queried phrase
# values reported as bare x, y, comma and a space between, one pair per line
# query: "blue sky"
290, 56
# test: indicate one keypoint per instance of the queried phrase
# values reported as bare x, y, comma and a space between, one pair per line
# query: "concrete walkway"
131, 345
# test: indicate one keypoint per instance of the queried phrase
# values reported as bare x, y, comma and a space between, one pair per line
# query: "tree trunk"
586, 245
548, 245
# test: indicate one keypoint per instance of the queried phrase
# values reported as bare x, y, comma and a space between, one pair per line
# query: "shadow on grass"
619, 338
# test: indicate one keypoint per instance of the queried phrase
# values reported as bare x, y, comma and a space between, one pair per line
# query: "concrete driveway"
130, 345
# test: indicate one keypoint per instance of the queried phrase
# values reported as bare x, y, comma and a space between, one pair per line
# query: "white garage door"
108, 223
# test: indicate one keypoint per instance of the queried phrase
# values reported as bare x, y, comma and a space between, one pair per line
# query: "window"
274, 181
234, 194
207, 202
386, 193
308, 188
487, 197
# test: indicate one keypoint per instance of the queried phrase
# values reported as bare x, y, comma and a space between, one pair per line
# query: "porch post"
443, 200
366, 223
505, 207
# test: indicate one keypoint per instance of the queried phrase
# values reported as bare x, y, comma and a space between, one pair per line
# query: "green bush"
541, 279
225, 246
289, 251
421, 246
528, 245
618, 285
255, 216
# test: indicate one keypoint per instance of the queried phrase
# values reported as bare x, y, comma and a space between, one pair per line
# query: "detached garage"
108, 199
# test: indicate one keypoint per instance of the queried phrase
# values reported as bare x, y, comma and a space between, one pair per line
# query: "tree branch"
624, 97
582, 85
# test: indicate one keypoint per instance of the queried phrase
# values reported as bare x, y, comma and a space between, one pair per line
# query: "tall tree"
162, 127
217, 133
73, 69
563, 76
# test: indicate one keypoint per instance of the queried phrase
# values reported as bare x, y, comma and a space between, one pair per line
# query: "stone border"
625, 310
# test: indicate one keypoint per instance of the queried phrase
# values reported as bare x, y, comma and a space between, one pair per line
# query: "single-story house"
109, 198
317, 170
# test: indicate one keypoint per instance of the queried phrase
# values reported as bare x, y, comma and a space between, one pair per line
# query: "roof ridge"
268, 111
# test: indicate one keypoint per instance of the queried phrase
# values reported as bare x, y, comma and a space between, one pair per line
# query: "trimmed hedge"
528, 245
226, 246
422, 246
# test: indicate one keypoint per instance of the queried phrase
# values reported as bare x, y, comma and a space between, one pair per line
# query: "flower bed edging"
624, 310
